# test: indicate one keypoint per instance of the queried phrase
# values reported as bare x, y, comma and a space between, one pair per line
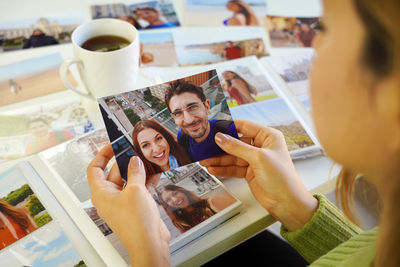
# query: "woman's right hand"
268, 170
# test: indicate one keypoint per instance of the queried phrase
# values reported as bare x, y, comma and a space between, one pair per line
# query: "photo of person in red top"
15, 223
232, 51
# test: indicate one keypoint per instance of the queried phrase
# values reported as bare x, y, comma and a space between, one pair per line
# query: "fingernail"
222, 138
134, 162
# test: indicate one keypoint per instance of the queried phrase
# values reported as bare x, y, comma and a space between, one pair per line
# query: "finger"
224, 160
136, 171
246, 139
95, 170
228, 171
115, 176
102, 158
236, 147
253, 130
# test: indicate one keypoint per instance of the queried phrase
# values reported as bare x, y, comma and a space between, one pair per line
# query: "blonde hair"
380, 57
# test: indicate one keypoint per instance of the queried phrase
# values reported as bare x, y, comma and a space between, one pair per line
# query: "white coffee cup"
104, 73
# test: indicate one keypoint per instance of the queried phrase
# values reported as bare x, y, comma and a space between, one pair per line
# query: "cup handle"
64, 68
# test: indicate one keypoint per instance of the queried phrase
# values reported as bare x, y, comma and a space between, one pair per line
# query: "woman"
157, 148
238, 88
242, 14
356, 106
15, 223
185, 208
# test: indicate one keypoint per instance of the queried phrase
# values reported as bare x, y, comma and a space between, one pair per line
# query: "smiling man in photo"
190, 108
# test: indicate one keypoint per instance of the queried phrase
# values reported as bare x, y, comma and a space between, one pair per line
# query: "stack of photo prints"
218, 61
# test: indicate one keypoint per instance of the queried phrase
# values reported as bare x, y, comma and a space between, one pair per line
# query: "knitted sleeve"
327, 228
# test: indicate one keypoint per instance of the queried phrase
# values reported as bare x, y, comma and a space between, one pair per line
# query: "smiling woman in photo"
186, 209
243, 15
157, 147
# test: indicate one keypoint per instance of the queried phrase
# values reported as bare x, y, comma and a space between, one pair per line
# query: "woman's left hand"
131, 212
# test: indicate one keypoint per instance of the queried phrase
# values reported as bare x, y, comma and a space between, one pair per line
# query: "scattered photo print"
294, 68
22, 213
71, 159
38, 32
187, 196
31, 78
143, 15
157, 49
292, 31
168, 125
195, 47
46, 247
225, 12
31, 129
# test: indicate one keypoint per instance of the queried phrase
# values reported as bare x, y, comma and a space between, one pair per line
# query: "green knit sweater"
330, 239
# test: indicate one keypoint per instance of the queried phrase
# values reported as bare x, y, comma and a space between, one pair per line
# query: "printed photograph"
157, 49
195, 48
244, 81
71, 159
292, 31
38, 32
29, 130
144, 15
31, 78
21, 212
294, 68
225, 12
276, 113
168, 125
187, 196
46, 247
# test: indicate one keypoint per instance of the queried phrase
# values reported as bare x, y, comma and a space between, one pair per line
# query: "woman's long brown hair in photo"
251, 18
175, 149
380, 57
184, 219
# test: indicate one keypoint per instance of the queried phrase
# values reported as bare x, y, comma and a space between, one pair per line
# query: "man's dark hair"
181, 86
149, 8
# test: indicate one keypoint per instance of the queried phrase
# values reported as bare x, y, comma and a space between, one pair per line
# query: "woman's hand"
268, 170
131, 212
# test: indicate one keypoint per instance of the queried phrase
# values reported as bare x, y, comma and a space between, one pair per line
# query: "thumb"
235, 147
136, 171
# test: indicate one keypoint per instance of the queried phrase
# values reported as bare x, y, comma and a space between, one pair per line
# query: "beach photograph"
46, 247
292, 31
70, 160
39, 31
244, 81
225, 12
31, 78
157, 49
22, 213
195, 48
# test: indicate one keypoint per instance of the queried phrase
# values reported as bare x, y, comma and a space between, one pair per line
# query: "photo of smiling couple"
173, 124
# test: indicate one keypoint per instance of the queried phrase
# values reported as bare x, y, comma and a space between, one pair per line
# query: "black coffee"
105, 43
